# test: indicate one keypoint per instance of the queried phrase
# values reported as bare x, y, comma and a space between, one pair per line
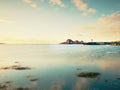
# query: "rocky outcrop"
115, 43
70, 41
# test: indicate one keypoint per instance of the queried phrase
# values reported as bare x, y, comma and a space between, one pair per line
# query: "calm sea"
54, 67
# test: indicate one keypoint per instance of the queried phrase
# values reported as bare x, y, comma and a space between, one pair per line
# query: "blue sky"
53, 21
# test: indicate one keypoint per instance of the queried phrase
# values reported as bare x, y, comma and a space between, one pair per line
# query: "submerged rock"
78, 69
30, 78
118, 78
5, 84
22, 68
20, 88
15, 67
88, 74
2, 86
34, 79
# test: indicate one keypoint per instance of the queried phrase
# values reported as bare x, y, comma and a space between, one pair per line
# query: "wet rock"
22, 68
4, 68
118, 78
20, 88
106, 80
2, 86
15, 67
32, 79
5, 84
88, 74
78, 69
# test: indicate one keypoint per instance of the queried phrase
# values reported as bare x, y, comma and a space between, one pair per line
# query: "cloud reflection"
81, 84
57, 86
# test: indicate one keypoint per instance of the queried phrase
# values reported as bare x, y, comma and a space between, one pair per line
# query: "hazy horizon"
54, 21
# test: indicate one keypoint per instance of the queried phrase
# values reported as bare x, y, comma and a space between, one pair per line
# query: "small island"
70, 41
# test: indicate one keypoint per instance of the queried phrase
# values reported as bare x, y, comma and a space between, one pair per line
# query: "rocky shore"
70, 41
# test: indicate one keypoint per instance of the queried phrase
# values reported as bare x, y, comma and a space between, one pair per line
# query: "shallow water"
55, 66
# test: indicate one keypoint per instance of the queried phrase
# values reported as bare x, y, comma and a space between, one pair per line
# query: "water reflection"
57, 66
81, 84
57, 86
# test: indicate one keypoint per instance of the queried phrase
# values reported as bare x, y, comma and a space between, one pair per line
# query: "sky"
54, 21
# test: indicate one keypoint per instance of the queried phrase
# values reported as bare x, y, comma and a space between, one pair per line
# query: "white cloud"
27, 1
91, 10
107, 32
31, 3
34, 5
58, 2
82, 6
113, 18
